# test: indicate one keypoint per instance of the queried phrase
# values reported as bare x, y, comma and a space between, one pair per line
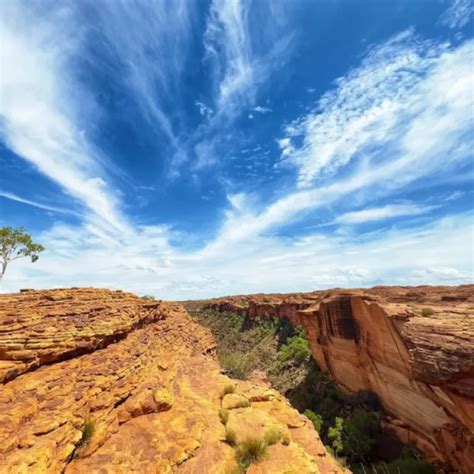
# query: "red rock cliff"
413, 347
103, 381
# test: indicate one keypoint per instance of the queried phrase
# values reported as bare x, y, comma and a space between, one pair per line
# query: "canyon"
411, 346
104, 381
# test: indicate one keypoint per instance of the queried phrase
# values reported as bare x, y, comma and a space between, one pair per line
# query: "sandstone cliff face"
420, 366
103, 381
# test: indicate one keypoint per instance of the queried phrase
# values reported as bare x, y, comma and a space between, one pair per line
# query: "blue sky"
223, 147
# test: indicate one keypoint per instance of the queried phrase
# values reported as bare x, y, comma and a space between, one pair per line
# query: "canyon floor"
105, 381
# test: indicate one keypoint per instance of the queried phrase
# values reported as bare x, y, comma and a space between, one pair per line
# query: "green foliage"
272, 436
229, 388
359, 435
404, 466
87, 432
317, 420
237, 364
250, 450
14, 244
335, 434
427, 311
224, 416
296, 347
285, 439
230, 436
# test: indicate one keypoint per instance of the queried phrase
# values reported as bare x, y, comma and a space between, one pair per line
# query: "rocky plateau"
103, 381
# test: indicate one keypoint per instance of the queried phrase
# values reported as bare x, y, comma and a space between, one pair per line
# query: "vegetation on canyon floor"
349, 425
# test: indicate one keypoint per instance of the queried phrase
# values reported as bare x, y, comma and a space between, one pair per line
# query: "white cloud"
14, 197
237, 67
203, 108
262, 110
434, 254
458, 14
379, 213
40, 118
370, 108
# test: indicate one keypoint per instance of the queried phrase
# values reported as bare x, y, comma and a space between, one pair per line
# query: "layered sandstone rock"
103, 381
413, 347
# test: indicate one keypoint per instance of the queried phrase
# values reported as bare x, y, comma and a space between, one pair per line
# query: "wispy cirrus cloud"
238, 68
458, 14
381, 213
40, 120
398, 136
47, 207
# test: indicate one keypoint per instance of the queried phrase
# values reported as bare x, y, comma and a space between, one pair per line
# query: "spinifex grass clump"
251, 450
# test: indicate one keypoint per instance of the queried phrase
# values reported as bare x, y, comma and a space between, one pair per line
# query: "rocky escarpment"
413, 347
104, 381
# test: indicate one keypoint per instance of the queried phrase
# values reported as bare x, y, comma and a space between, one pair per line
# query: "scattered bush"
317, 420
427, 312
237, 364
229, 388
335, 434
272, 436
224, 416
87, 432
404, 466
296, 347
230, 436
250, 450
148, 297
285, 439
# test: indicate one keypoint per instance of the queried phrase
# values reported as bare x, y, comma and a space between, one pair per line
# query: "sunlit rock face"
103, 381
413, 347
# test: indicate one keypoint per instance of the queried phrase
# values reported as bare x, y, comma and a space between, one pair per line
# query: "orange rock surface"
412, 346
102, 381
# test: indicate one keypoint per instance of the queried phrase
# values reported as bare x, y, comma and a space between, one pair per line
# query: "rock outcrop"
413, 347
104, 381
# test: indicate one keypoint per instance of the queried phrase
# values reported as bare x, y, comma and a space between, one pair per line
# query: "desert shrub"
237, 364
427, 312
404, 466
296, 347
359, 435
285, 439
244, 403
87, 432
224, 415
250, 450
335, 434
230, 436
148, 297
229, 388
317, 420
272, 436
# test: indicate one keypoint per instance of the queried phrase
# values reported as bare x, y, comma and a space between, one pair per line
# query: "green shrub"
296, 347
148, 297
272, 436
317, 420
359, 435
427, 312
237, 364
250, 450
404, 466
224, 415
285, 439
87, 432
230, 436
229, 388
335, 434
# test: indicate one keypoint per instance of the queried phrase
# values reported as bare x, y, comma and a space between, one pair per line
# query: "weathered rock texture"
103, 381
413, 347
